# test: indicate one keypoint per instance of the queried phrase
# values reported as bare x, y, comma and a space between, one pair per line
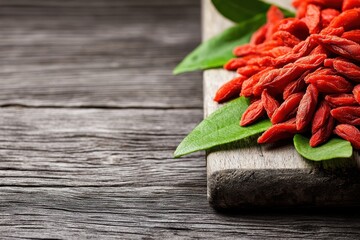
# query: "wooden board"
249, 175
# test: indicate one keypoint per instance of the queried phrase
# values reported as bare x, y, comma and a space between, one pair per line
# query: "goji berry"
285, 110
248, 85
270, 103
285, 38
338, 45
347, 115
353, 35
356, 92
341, 100
350, 4
328, 3
230, 89
327, 15
320, 117
330, 84
349, 133
323, 134
277, 52
301, 8
259, 36
294, 26
347, 69
253, 113
312, 18
278, 132
249, 70
319, 71
274, 15
307, 107
295, 86
349, 20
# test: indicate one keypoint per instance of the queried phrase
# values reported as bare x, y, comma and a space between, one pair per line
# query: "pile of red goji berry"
302, 72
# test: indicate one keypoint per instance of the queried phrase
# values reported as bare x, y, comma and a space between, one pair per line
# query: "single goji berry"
327, 3
307, 107
277, 52
230, 89
259, 36
286, 38
347, 115
274, 15
312, 18
319, 71
295, 86
350, 4
270, 103
248, 85
338, 45
249, 70
323, 134
356, 92
285, 110
253, 113
264, 61
341, 100
301, 8
248, 49
349, 20
330, 84
353, 35
320, 117
327, 15
333, 31
347, 69
349, 133
295, 27
319, 50
278, 132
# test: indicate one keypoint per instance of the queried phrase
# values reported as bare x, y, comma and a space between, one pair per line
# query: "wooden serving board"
246, 174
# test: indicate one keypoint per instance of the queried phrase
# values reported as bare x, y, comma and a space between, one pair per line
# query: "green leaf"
240, 10
221, 127
335, 148
218, 50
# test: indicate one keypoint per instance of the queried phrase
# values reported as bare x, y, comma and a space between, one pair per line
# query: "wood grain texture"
98, 53
107, 172
246, 174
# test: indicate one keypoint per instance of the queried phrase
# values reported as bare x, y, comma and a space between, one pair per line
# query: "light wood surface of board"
248, 174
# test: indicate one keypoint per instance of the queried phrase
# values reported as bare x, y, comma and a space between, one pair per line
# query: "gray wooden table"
90, 116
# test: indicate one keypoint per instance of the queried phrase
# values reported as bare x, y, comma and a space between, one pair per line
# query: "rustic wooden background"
90, 116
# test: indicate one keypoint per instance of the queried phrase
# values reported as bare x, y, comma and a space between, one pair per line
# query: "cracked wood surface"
89, 121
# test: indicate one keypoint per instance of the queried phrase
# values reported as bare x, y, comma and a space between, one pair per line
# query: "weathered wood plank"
247, 174
109, 174
98, 53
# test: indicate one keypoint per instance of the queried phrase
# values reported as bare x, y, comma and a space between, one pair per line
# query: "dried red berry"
341, 100
286, 109
307, 107
270, 103
347, 115
230, 89
349, 133
253, 113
